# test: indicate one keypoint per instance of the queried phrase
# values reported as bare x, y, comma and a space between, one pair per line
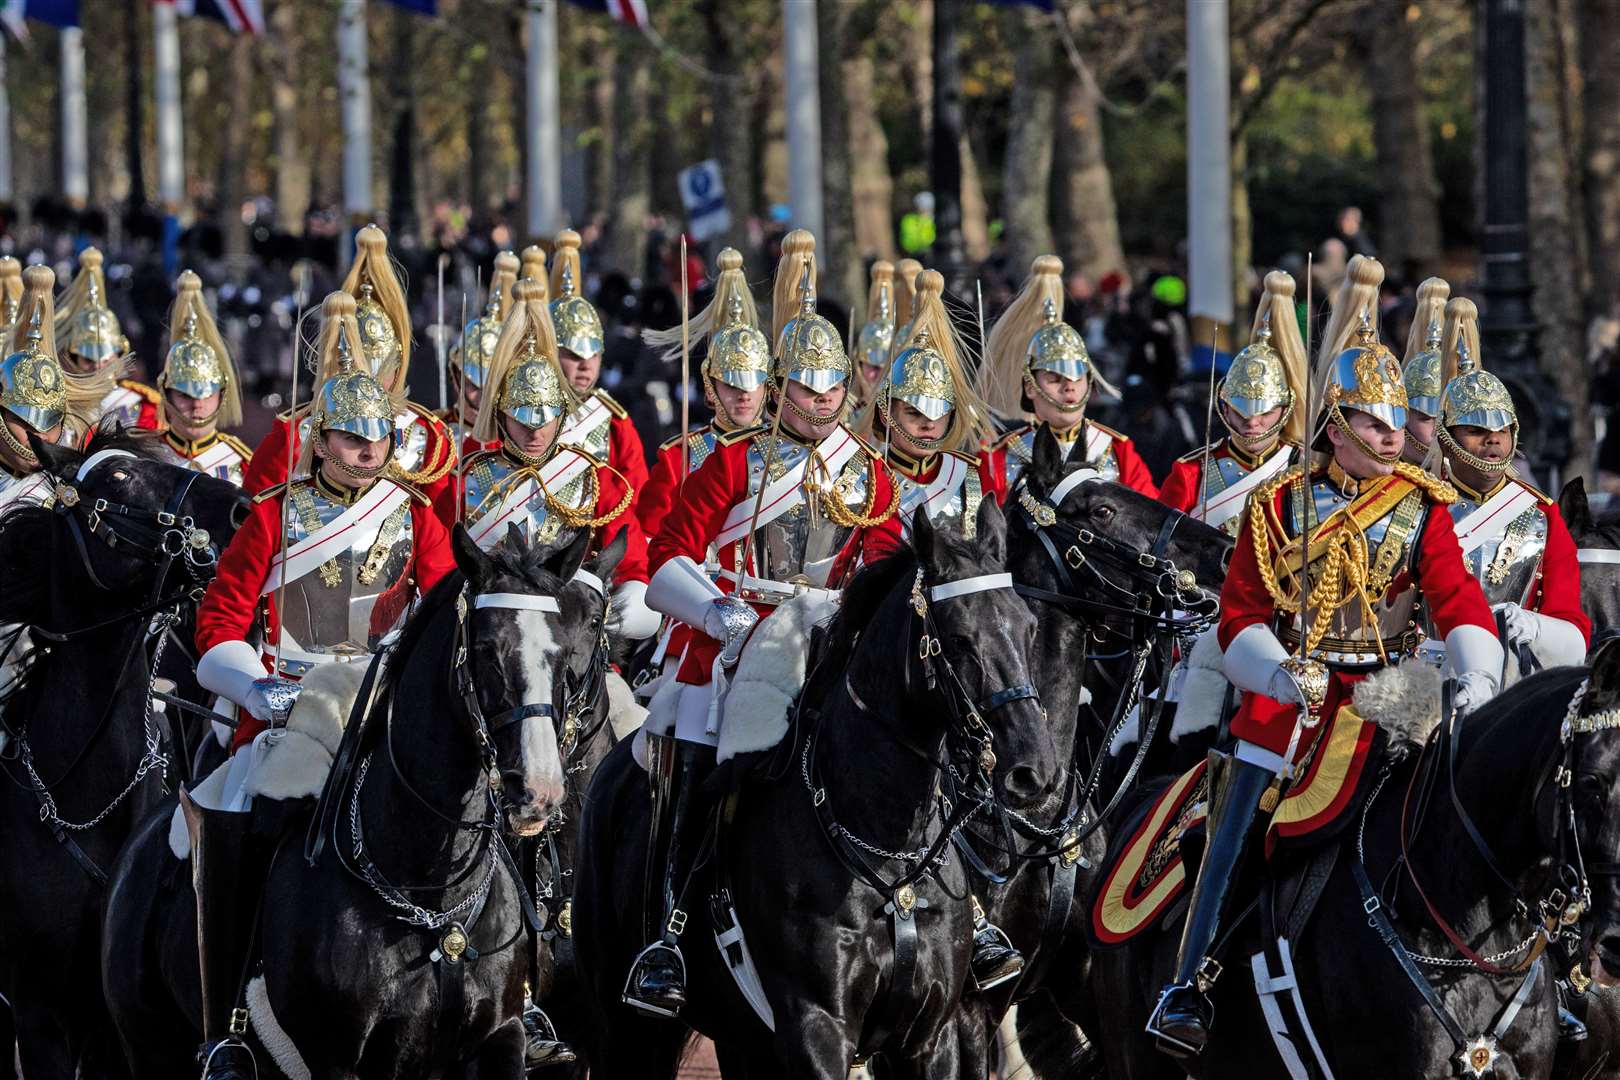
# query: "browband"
1070, 482
968, 586
518, 602
588, 578
96, 459
1597, 555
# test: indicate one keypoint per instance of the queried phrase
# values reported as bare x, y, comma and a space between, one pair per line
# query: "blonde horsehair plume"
77, 294
1462, 325
189, 304
798, 253
534, 269
905, 298
84, 391
565, 260
11, 283
1000, 381
1358, 293
529, 318
970, 425
1278, 305
882, 275
1431, 308
373, 265
730, 282
337, 315
501, 280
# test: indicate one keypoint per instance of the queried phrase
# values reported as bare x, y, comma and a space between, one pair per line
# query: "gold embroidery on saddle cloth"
387, 536
1195, 809
303, 502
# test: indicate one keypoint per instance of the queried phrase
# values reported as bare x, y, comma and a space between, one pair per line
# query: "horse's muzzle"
527, 820
1024, 785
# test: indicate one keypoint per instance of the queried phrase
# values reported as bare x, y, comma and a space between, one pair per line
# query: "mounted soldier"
424, 452
1036, 364
874, 347
343, 550
201, 393
1422, 371
931, 424
600, 426
33, 397
1513, 537
1261, 402
94, 353
534, 483
1381, 552
790, 509
470, 355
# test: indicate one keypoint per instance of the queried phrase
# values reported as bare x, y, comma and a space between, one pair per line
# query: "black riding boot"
542, 1049
229, 861
1184, 1014
995, 960
657, 981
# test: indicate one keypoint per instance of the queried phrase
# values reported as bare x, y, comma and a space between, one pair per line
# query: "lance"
458, 486
438, 341
292, 451
1209, 422
686, 366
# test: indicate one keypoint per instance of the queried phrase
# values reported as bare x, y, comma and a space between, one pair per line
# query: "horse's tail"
1051, 1045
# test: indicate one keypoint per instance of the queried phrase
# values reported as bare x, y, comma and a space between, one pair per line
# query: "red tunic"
1451, 595
700, 514
626, 453
234, 600
663, 484
1557, 592
431, 475
1133, 471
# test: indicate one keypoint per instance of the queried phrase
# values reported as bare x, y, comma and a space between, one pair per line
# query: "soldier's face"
912, 424
19, 431
1490, 445
361, 458
742, 406
1070, 392
1385, 441
1420, 431
1255, 431
191, 416
533, 441
581, 370
818, 404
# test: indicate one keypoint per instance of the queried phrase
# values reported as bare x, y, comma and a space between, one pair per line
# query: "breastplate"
801, 545
1106, 464
492, 478
1223, 472
347, 605
595, 441
35, 489
228, 463
1353, 638
122, 404
1506, 564
410, 441
959, 511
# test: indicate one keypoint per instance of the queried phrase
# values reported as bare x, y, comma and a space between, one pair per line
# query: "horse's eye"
1103, 513
120, 474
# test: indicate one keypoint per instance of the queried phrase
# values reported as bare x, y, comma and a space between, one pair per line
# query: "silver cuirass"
958, 511
121, 404
348, 605
1506, 564
801, 545
1021, 451
495, 481
220, 460
595, 440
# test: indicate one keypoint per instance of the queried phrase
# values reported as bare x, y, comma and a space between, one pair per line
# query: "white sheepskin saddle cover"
1404, 700
625, 713
293, 766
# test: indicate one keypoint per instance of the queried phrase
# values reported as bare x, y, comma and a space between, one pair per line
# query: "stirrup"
541, 1047
987, 936
628, 994
229, 1043
1176, 1048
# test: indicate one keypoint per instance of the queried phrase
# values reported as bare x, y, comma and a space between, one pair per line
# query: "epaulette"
1541, 496
1110, 432
415, 493
1292, 474
1436, 488
270, 492
243, 450
613, 406
1012, 436
145, 392
675, 440
728, 438
969, 458
1198, 454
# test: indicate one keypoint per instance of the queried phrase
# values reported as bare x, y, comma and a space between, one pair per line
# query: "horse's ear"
1573, 506
608, 561
922, 535
1046, 462
1604, 691
470, 558
567, 560
991, 529
60, 461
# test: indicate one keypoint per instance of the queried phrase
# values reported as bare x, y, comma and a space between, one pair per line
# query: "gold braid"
839, 513
576, 518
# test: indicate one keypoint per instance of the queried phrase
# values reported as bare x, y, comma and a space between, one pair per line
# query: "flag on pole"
54, 12
421, 7
240, 16
629, 12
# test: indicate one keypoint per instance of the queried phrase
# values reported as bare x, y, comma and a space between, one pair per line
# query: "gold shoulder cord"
429, 475
839, 513
576, 518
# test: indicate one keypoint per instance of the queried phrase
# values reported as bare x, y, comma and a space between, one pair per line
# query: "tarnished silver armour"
1021, 451
494, 478
801, 545
1506, 564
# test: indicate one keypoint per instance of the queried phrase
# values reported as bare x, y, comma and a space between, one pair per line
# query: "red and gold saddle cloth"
1145, 875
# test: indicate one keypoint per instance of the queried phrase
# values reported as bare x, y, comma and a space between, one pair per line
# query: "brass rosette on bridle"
533, 393
352, 401
739, 355
1366, 376
1476, 398
379, 341
193, 367
579, 327
1057, 347
32, 387
1424, 375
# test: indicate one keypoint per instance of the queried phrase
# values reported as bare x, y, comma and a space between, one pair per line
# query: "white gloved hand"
1283, 688
629, 616
1523, 628
1474, 688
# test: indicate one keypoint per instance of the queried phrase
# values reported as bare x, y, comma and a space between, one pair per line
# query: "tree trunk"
1555, 217
234, 146
1083, 190
292, 165
842, 278
132, 104
871, 186
1409, 193
600, 98
731, 133
1027, 175
919, 61
402, 76
1600, 44
632, 174
975, 210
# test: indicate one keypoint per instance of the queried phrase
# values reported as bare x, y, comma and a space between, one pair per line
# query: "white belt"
765, 591
291, 655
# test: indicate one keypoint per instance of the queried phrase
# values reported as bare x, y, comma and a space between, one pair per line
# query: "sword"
1209, 421
292, 451
458, 486
444, 391
686, 367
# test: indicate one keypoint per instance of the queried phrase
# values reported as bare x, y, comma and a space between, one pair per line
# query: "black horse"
131, 540
1079, 562
1536, 774
402, 950
846, 838
1599, 547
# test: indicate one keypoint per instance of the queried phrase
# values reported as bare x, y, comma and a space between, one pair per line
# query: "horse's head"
978, 635
1592, 754
1127, 523
534, 617
134, 524
1598, 544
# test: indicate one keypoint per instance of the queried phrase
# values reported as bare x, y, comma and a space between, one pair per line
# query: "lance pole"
686, 365
1209, 422
299, 283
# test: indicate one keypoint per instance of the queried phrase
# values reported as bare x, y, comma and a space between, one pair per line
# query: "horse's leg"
640, 1049
8, 1043
814, 1043
43, 1043
501, 1056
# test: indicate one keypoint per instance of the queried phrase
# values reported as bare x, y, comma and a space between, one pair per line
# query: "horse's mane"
1525, 703
113, 435
859, 604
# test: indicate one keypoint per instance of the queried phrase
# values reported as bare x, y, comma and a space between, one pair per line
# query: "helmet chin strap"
24, 455
354, 472
1454, 449
1343, 424
1067, 409
1257, 442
